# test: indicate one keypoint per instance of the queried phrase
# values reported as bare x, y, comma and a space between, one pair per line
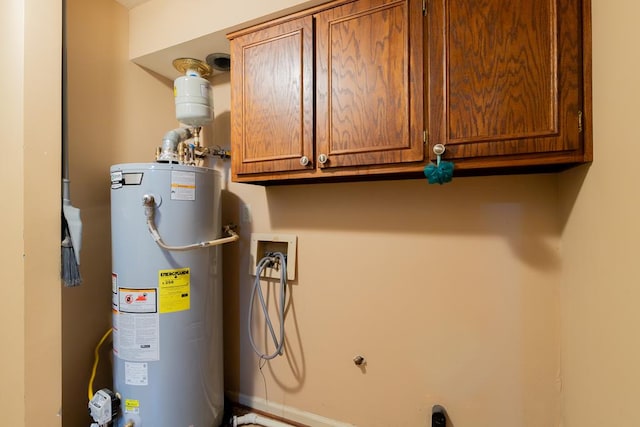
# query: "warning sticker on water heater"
174, 288
136, 337
183, 185
137, 300
136, 373
132, 406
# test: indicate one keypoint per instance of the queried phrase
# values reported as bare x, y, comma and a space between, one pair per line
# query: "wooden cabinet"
369, 107
357, 65
272, 99
509, 82
353, 89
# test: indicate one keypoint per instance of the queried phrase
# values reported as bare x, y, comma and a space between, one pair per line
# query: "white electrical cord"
149, 210
268, 261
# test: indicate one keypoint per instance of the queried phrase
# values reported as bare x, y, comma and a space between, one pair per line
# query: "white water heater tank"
167, 305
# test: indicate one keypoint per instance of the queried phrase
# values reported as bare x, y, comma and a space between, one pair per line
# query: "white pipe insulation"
169, 151
257, 420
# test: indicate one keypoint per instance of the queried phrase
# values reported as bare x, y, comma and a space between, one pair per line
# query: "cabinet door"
505, 81
369, 103
272, 98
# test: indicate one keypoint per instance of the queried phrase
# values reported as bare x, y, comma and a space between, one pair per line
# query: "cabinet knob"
438, 149
304, 160
323, 158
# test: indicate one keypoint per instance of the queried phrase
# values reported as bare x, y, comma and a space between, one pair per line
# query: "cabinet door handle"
323, 158
304, 160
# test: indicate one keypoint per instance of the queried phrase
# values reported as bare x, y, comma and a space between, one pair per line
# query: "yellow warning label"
174, 290
132, 406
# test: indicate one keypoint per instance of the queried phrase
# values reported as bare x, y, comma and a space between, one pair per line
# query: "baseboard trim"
283, 411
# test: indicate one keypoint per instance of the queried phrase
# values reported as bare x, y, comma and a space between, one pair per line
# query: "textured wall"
118, 113
450, 292
601, 235
30, 254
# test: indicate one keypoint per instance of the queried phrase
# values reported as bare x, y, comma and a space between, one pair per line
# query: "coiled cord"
266, 262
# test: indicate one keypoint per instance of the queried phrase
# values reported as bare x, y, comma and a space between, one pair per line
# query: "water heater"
167, 305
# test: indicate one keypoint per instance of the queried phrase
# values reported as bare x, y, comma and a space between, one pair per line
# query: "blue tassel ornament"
442, 171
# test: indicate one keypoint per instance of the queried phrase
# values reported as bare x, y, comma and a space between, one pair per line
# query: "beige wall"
450, 292
601, 237
30, 120
197, 18
12, 367
117, 113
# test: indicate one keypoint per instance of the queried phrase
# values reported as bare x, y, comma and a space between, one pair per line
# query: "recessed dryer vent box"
263, 243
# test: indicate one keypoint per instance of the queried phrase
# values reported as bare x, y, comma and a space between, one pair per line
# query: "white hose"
268, 261
233, 236
258, 420
148, 202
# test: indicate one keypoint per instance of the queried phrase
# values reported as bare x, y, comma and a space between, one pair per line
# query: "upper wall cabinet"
369, 103
507, 84
357, 65
272, 100
339, 91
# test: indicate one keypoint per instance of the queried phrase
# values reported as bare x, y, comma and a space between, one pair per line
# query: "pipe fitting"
149, 203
